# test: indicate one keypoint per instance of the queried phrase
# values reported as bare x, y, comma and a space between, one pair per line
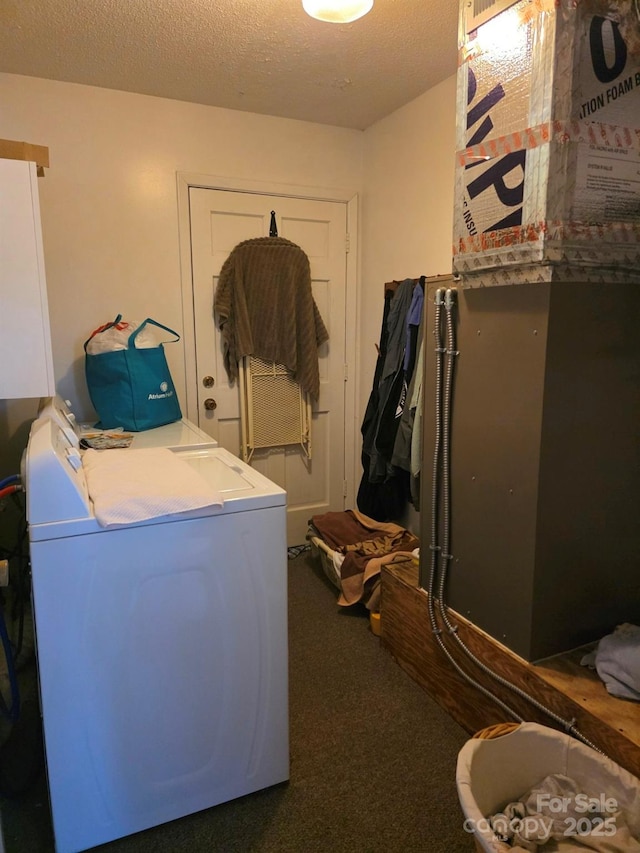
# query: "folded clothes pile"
359, 546
617, 661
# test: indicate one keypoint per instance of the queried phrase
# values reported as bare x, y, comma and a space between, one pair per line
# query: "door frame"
349, 197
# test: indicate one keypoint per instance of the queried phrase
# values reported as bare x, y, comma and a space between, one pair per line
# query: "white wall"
407, 206
407, 214
109, 202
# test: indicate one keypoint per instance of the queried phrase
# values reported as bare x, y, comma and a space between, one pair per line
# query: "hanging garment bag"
131, 386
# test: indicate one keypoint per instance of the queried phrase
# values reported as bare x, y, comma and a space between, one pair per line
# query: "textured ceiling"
263, 56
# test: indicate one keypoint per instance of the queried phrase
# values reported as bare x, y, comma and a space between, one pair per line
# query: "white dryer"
180, 434
162, 646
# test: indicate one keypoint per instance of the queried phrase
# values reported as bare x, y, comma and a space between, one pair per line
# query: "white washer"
162, 646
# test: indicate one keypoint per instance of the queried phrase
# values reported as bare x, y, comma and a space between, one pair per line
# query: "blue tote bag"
132, 388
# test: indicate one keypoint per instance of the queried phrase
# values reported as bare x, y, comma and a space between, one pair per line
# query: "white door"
220, 219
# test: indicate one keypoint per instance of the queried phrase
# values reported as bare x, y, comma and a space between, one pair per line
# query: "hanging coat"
392, 384
384, 490
401, 454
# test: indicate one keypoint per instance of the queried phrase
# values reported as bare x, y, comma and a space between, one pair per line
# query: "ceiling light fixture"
337, 11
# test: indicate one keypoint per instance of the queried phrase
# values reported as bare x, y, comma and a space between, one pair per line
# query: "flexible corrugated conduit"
435, 549
440, 546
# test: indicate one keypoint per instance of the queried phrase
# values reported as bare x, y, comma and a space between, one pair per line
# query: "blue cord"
9, 481
13, 712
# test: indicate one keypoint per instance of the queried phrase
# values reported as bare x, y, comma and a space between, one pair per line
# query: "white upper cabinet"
26, 363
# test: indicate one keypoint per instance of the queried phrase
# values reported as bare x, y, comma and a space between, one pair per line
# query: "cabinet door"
26, 364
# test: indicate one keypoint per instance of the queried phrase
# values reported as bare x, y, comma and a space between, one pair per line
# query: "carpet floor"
372, 757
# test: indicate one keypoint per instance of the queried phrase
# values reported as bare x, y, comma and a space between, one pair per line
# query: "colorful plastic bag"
131, 388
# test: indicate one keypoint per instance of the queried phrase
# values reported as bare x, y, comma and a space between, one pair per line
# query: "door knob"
208, 381
210, 404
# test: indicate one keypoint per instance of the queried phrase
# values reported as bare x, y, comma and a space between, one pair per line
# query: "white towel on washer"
128, 486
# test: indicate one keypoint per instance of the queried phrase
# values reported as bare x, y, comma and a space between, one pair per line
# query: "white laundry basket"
495, 769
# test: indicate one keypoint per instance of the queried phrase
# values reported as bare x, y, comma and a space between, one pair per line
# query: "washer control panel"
53, 475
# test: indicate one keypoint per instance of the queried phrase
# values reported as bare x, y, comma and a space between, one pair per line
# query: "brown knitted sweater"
265, 308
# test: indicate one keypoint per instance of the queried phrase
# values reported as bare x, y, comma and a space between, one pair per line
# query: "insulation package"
547, 176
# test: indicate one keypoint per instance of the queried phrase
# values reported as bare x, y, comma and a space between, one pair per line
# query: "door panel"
220, 219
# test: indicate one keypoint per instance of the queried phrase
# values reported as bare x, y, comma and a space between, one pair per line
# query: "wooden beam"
611, 724
13, 150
